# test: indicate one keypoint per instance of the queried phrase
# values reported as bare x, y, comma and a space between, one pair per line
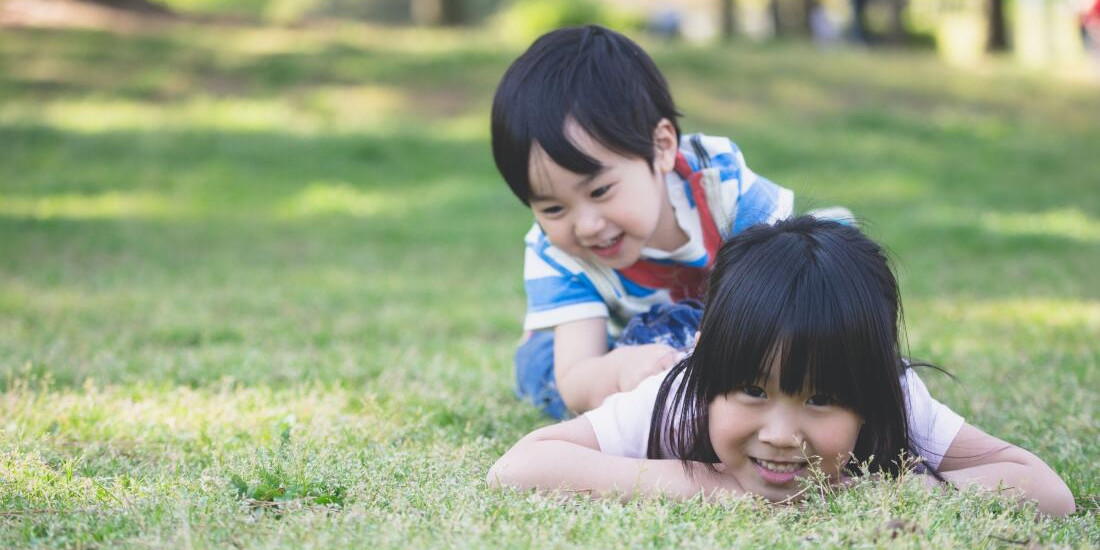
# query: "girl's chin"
779, 496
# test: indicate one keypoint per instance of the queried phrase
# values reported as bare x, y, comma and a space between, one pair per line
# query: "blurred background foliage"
1035, 32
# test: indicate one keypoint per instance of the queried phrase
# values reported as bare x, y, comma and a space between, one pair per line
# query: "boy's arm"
586, 373
566, 457
977, 458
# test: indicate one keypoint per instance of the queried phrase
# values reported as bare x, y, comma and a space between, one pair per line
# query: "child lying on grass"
797, 365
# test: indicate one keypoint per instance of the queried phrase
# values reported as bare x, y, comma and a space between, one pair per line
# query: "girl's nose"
781, 429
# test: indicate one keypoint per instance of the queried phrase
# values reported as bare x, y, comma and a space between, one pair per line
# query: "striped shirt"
562, 288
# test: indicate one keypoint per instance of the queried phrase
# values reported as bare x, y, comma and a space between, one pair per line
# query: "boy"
628, 214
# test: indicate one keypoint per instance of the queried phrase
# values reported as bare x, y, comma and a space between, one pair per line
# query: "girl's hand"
931, 483
636, 363
717, 483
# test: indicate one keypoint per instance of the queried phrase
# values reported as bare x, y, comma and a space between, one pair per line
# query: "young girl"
797, 363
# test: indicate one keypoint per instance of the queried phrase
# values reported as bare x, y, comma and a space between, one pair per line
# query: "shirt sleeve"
748, 198
932, 425
622, 422
557, 290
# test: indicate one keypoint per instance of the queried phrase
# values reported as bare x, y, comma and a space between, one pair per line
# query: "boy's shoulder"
544, 259
701, 150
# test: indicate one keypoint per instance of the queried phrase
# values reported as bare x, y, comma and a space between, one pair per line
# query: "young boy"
628, 214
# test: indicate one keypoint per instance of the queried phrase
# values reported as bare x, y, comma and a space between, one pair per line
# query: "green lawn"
260, 287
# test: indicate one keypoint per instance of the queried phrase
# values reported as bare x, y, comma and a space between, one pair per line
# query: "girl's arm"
977, 458
566, 457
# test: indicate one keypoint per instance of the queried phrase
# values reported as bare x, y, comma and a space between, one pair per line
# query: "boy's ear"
665, 146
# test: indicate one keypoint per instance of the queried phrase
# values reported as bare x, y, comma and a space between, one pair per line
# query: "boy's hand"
636, 363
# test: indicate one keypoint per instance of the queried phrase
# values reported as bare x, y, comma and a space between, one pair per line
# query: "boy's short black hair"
598, 78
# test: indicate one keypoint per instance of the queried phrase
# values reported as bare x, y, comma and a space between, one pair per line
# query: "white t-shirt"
622, 422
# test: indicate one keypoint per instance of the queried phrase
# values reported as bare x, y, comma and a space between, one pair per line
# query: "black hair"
594, 76
816, 299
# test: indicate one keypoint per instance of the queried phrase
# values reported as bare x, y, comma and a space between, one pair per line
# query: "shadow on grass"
50, 64
189, 254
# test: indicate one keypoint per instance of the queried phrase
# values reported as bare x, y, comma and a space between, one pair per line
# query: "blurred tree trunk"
791, 17
998, 29
438, 12
862, 32
728, 15
777, 19
897, 21
139, 6
859, 21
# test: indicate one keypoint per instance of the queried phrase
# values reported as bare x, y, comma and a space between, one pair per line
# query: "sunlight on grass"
469, 127
362, 106
109, 205
720, 108
879, 185
274, 40
1068, 223
150, 415
799, 94
91, 116
1038, 312
323, 198
320, 109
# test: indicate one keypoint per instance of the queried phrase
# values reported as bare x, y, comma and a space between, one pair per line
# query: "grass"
260, 287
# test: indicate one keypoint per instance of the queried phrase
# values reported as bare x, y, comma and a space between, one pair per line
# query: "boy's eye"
551, 210
753, 391
600, 191
821, 400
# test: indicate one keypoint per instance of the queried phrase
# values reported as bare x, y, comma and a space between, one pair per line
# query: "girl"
797, 362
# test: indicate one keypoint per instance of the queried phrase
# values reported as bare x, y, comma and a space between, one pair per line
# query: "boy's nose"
589, 223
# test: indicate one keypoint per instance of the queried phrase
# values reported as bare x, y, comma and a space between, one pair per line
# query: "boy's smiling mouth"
608, 248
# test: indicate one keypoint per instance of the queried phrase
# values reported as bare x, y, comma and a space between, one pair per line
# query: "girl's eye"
600, 191
753, 391
821, 400
551, 210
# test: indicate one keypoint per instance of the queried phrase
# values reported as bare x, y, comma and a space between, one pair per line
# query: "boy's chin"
624, 259
622, 263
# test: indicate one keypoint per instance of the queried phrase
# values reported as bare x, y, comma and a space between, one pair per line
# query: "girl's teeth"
781, 466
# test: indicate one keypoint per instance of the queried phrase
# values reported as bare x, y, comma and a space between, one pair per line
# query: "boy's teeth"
608, 243
780, 466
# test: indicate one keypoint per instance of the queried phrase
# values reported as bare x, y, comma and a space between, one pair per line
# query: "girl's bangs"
822, 331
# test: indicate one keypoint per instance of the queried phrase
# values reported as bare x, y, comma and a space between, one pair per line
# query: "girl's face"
766, 438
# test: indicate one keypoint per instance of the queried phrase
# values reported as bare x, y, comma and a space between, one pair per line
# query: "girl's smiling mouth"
778, 472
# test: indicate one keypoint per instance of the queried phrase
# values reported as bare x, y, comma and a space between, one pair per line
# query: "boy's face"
610, 216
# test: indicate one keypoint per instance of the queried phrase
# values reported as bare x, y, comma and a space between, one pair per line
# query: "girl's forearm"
550, 465
977, 458
1028, 481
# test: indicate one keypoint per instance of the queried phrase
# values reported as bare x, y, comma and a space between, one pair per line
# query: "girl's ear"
665, 146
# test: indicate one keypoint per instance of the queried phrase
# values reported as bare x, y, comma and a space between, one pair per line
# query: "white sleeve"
932, 425
622, 422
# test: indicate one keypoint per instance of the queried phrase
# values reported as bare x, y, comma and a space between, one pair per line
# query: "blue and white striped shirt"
562, 288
